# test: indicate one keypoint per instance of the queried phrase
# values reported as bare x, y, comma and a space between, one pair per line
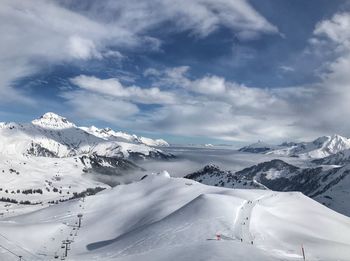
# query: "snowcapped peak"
107, 129
338, 143
94, 128
333, 138
338, 137
51, 120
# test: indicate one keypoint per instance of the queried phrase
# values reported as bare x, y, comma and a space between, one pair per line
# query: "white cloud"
335, 29
222, 109
287, 68
114, 88
81, 48
93, 106
207, 106
198, 16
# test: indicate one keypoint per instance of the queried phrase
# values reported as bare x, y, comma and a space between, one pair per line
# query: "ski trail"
241, 226
242, 222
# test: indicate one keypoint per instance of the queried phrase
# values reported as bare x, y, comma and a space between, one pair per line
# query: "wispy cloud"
114, 88
40, 32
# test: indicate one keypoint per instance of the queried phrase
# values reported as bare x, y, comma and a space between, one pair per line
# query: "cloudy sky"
220, 71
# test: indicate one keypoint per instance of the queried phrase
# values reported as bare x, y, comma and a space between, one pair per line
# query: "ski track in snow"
242, 221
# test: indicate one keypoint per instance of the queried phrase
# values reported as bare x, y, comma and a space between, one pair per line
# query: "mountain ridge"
330, 187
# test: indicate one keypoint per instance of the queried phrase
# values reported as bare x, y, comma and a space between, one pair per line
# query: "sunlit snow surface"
162, 218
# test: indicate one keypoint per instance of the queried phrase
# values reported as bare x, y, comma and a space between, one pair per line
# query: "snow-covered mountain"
258, 147
330, 187
319, 148
50, 159
162, 218
111, 135
54, 136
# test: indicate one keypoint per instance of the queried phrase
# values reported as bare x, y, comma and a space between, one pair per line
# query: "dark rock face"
39, 151
156, 155
212, 171
254, 150
275, 164
213, 175
108, 166
305, 181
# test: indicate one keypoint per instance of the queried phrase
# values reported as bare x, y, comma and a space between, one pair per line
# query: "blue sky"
199, 71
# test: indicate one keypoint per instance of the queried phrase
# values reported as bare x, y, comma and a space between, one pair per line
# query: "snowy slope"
162, 218
339, 158
45, 179
109, 134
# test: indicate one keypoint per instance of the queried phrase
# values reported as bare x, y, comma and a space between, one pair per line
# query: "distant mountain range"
321, 147
111, 135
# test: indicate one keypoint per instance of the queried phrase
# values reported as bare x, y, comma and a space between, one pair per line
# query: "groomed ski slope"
163, 218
